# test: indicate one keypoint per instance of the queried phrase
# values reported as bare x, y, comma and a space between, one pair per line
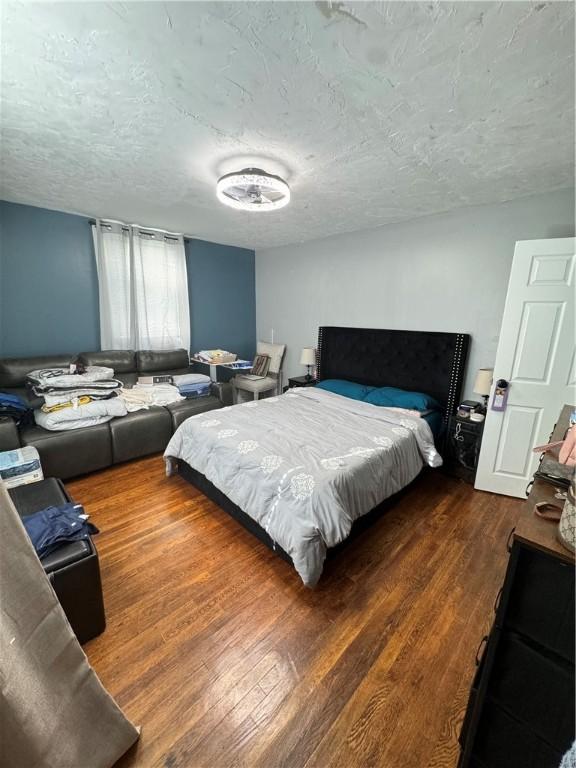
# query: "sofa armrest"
222, 391
9, 437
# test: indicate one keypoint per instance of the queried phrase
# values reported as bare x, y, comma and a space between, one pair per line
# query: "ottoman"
73, 569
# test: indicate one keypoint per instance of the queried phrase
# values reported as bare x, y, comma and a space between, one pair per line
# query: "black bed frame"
420, 361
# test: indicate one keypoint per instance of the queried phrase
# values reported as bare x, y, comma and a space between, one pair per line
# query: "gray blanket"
306, 464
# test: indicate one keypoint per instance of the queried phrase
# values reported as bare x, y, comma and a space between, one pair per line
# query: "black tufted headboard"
421, 361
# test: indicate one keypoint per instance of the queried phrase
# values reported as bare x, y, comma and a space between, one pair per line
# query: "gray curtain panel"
54, 711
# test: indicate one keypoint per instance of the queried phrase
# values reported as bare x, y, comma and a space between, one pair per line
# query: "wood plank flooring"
226, 660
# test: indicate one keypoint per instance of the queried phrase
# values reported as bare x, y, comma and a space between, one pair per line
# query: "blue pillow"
345, 388
391, 397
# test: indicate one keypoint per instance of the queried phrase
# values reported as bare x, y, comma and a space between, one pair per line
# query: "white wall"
447, 272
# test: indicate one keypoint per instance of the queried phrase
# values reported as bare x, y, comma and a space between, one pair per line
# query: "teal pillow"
345, 388
391, 397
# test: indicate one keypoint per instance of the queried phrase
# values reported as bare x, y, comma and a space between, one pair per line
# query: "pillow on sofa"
392, 397
345, 388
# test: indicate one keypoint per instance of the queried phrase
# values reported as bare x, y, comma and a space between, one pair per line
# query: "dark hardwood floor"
216, 649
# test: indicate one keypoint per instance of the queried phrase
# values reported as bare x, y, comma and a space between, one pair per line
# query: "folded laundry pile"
76, 397
64, 384
192, 385
145, 395
52, 527
78, 416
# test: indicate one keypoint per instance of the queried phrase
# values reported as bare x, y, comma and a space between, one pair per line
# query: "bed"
301, 470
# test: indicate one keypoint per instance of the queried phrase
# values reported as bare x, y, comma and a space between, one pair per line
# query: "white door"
536, 355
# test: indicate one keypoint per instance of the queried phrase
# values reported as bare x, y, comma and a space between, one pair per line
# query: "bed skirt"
204, 485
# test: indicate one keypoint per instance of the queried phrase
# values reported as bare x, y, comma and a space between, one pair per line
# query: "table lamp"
483, 384
308, 358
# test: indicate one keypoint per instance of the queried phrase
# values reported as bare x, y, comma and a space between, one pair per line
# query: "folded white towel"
145, 395
190, 378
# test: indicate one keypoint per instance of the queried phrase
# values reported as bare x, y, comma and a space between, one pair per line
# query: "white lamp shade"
483, 381
308, 356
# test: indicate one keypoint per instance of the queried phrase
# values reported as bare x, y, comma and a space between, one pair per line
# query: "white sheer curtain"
143, 288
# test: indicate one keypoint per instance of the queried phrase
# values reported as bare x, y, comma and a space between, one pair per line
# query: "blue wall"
49, 287
48, 283
222, 289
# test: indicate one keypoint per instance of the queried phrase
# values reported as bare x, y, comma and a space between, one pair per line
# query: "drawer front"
540, 604
536, 689
502, 742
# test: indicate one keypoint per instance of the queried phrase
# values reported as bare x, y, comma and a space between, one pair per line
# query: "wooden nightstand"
300, 381
463, 442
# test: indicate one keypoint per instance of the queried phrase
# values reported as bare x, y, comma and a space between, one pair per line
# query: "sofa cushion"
70, 453
182, 410
140, 433
150, 361
121, 360
13, 370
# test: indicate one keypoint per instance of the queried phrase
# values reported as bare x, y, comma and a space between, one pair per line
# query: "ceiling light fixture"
253, 190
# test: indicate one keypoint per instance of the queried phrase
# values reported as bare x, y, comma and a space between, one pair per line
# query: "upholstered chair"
271, 383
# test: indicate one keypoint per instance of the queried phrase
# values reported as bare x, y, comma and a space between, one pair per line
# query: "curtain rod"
125, 227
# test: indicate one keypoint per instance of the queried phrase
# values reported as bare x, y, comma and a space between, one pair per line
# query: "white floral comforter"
306, 464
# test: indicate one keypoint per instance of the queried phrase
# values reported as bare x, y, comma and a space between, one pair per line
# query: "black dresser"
520, 711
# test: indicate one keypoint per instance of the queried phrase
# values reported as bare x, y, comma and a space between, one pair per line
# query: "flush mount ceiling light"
253, 190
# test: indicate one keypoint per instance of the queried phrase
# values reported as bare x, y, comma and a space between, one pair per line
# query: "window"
143, 288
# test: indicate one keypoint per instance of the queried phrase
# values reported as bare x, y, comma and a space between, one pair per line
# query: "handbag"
565, 517
560, 473
567, 524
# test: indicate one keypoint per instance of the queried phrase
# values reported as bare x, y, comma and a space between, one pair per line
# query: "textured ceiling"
373, 112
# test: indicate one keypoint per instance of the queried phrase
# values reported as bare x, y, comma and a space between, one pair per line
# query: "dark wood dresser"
520, 711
